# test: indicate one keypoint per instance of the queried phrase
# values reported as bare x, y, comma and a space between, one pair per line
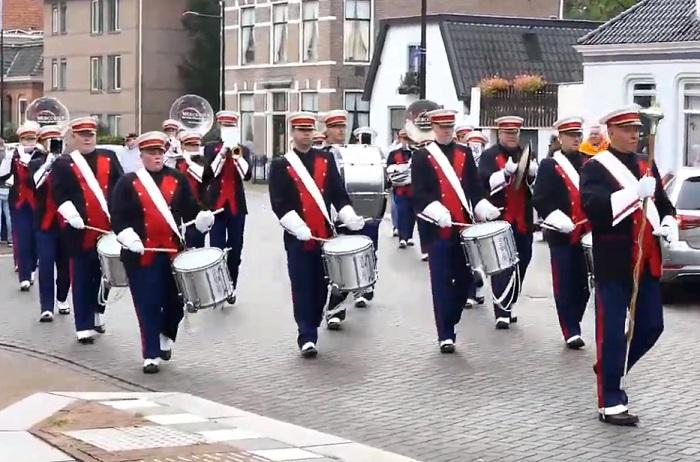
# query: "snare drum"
490, 247
202, 278
587, 244
109, 252
350, 262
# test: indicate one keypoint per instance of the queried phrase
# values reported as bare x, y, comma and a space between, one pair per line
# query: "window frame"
114, 16
96, 17
273, 33
392, 132
241, 53
63, 16
114, 129
55, 19
351, 113
686, 113
100, 87
277, 114
347, 22
112, 75
303, 93
302, 35
62, 73
21, 113
54, 73
247, 116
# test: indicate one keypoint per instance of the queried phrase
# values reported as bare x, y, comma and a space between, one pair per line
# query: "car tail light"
686, 222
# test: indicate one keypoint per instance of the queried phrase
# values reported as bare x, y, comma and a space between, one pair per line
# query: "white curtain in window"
280, 45
357, 40
692, 139
310, 40
247, 45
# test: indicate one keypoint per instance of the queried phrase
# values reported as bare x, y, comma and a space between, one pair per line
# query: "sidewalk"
105, 424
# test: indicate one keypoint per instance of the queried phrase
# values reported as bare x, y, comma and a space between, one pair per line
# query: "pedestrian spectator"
5, 222
596, 141
130, 156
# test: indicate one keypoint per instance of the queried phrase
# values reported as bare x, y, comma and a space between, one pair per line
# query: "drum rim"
504, 226
584, 239
368, 245
199, 268
105, 238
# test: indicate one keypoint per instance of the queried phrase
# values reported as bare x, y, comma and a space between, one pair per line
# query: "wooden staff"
654, 115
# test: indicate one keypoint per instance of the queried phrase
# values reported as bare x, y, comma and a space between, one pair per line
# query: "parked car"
681, 260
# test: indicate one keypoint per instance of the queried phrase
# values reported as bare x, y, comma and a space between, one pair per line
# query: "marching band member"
22, 202
198, 174
230, 162
557, 199
171, 128
613, 186
50, 238
461, 132
82, 183
318, 140
510, 189
445, 185
304, 184
398, 166
477, 142
364, 135
148, 206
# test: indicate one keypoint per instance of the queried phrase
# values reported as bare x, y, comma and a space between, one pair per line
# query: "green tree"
598, 10
200, 69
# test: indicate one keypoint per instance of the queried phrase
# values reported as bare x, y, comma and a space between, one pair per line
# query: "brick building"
22, 14
23, 79
314, 55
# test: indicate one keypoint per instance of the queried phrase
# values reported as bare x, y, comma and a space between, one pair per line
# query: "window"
246, 106
96, 73
95, 16
114, 70
397, 119
308, 101
279, 124
279, 33
414, 58
247, 35
691, 114
54, 74
309, 30
114, 124
358, 20
55, 19
644, 94
63, 17
358, 111
62, 74
21, 110
113, 15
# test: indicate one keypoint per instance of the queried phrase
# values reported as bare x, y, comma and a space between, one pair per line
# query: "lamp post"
222, 48
423, 51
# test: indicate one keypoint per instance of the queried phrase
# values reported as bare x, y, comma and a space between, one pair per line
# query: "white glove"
647, 187
293, 223
486, 211
560, 221
71, 215
204, 221
392, 169
439, 214
352, 220
533, 168
129, 239
497, 180
511, 167
669, 229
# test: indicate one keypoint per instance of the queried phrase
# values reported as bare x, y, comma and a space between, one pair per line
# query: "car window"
689, 195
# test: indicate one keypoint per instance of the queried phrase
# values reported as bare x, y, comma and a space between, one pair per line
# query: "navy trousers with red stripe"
450, 280
157, 302
23, 238
570, 283
309, 289
86, 279
227, 233
52, 254
499, 282
406, 217
612, 300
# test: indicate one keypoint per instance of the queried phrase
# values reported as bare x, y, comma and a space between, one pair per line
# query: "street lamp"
222, 48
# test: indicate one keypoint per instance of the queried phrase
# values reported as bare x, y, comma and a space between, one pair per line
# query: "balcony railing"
539, 109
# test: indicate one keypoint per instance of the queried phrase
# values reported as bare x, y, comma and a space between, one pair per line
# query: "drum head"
194, 259
346, 244
587, 240
490, 228
108, 245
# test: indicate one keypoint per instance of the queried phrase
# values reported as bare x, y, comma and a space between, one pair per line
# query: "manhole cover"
129, 438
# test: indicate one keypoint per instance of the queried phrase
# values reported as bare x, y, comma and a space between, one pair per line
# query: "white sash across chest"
451, 176
308, 182
568, 168
90, 179
157, 197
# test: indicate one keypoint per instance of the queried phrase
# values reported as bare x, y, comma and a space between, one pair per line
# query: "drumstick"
160, 249
191, 222
99, 230
582, 222
320, 239
366, 219
430, 220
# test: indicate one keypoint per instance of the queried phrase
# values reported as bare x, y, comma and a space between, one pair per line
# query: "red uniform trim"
227, 184
310, 210
577, 213
515, 201
157, 231
448, 196
50, 207
182, 166
651, 251
402, 191
25, 192
95, 216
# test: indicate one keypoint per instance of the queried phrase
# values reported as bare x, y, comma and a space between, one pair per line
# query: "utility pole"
423, 50
222, 46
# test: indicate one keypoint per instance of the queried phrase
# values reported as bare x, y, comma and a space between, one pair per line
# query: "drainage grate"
129, 438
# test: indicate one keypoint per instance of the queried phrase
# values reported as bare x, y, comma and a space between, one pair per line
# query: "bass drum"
362, 169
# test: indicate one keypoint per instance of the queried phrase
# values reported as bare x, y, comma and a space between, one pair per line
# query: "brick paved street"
505, 396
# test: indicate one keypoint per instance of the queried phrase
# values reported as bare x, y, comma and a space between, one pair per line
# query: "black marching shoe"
231, 300
165, 355
308, 350
86, 340
151, 368
100, 329
502, 324
575, 342
623, 419
447, 346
